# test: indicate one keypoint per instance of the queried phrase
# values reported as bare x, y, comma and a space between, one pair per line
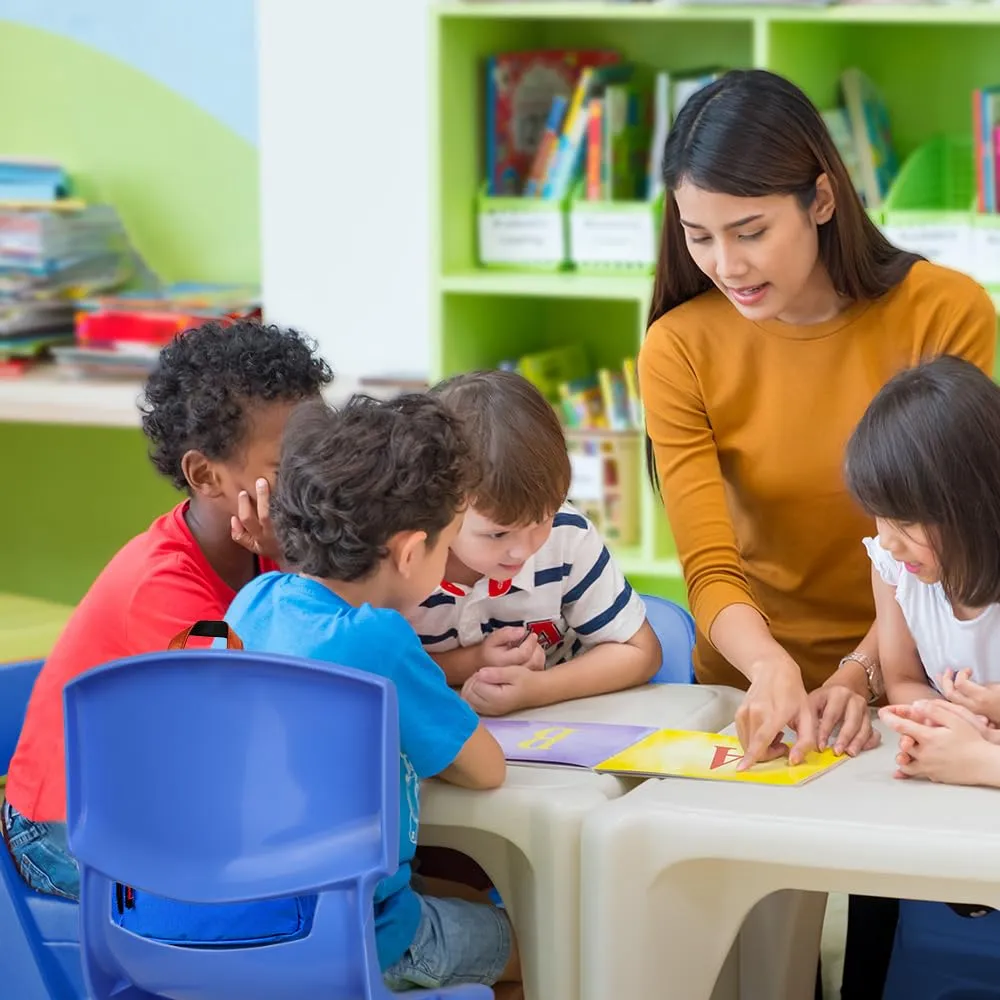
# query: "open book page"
713, 756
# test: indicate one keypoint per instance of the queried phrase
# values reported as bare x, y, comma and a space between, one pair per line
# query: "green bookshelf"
927, 60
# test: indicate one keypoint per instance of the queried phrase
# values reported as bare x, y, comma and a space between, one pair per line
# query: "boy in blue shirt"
367, 502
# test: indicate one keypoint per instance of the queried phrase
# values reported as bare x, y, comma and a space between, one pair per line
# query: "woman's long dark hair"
752, 134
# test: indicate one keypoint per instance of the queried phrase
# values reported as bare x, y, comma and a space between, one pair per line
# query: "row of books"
986, 147
586, 399
861, 129
564, 121
558, 118
590, 404
121, 335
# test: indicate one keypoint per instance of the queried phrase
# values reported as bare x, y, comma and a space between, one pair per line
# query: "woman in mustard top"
779, 310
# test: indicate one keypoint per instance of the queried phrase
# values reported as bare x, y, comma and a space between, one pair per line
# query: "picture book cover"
562, 744
520, 88
869, 115
681, 754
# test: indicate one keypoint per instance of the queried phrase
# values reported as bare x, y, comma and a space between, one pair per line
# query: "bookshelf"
926, 59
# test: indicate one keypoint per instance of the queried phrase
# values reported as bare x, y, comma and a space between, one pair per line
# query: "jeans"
41, 854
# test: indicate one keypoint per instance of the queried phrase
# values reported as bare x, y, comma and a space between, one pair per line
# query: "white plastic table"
526, 835
673, 867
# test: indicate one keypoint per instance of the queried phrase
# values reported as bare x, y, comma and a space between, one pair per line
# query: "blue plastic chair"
39, 935
674, 627
212, 776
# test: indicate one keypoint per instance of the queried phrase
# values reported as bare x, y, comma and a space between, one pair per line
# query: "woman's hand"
840, 703
777, 698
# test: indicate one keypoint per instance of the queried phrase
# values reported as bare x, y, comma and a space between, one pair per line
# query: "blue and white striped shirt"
570, 593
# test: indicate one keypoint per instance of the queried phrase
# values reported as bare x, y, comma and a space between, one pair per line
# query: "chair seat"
57, 920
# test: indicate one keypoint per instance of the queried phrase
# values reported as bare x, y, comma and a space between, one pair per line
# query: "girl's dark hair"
927, 452
752, 134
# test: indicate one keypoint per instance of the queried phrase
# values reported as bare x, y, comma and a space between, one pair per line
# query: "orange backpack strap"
209, 630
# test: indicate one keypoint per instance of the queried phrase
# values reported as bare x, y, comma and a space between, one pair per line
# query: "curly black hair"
206, 378
351, 479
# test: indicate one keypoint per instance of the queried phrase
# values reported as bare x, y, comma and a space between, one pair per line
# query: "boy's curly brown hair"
351, 479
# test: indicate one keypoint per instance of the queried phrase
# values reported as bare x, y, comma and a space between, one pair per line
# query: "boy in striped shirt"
533, 609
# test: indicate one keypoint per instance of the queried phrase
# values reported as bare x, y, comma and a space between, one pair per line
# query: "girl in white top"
925, 462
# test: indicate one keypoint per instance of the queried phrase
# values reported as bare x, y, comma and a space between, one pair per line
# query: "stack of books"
121, 335
51, 257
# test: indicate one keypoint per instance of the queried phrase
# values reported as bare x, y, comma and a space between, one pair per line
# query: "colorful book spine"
547, 146
614, 398
986, 146
661, 129
617, 140
594, 129
977, 148
995, 180
570, 140
632, 392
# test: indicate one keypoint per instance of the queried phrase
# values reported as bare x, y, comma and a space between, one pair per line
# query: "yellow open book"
643, 750
682, 754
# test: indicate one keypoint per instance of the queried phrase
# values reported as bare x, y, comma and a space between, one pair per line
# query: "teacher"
779, 310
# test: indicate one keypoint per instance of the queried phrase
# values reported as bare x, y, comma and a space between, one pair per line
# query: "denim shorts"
457, 942
41, 854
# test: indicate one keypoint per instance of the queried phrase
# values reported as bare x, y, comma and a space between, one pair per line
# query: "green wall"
185, 184
71, 497
186, 187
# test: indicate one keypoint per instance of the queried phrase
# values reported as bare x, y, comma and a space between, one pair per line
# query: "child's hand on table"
960, 689
941, 741
251, 527
513, 646
499, 690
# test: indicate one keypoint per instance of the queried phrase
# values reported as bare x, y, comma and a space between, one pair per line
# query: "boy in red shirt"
214, 412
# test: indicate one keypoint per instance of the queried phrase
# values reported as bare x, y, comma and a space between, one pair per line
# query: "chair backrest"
675, 629
215, 776
16, 681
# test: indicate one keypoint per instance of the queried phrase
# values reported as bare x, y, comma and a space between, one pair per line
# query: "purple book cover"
571, 744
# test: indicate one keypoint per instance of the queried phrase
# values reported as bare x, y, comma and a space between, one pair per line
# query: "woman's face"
762, 253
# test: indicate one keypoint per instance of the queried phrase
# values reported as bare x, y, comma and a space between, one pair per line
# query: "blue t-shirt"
284, 613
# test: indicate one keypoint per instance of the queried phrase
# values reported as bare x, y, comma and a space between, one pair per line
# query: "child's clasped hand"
940, 741
511, 657
960, 689
499, 690
513, 646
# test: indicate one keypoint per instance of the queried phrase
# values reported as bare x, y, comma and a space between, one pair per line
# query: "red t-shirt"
156, 586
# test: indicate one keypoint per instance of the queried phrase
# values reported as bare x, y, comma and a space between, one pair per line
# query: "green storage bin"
614, 237
522, 234
929, 208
